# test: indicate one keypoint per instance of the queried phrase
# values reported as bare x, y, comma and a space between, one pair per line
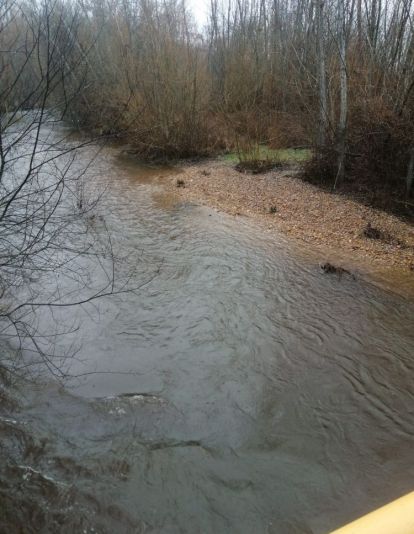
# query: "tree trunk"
410, 173
323, 103
343, 95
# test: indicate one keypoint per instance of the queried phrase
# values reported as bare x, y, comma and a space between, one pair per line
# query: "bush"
378, 144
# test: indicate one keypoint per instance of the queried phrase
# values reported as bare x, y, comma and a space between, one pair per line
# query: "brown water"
240, 390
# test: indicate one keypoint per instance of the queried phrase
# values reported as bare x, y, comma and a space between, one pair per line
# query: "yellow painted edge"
396, 517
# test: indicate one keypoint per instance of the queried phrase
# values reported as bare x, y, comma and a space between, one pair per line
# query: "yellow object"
396, 517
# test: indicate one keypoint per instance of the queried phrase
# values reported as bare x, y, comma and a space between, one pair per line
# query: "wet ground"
240, 389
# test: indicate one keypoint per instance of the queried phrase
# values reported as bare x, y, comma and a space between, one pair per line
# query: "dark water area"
239, 390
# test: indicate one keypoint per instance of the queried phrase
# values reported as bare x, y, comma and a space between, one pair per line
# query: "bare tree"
343, 76
47, 248
323, 101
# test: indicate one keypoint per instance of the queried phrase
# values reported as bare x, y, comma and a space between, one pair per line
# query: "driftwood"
329, 268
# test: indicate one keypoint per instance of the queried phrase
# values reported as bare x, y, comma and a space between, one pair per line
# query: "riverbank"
326, 221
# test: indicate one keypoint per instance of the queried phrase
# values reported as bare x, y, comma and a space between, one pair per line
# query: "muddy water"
238, 390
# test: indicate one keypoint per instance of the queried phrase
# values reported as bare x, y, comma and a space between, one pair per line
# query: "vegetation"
336, 76
276, 156
332, 77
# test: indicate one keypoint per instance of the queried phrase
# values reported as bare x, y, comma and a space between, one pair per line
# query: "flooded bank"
238, 390
326, 224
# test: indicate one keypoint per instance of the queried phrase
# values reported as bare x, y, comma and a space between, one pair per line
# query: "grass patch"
256, 166
285, 156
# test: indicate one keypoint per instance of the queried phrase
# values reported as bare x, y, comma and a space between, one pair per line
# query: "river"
239, 390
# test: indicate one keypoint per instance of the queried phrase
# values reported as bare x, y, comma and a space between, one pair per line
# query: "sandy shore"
322, 220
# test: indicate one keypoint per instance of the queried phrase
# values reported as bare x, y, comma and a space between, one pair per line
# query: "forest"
334, 76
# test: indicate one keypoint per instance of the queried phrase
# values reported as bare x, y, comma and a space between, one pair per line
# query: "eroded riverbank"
331, 225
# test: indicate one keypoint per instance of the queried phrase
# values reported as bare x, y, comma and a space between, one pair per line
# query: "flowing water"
239, 390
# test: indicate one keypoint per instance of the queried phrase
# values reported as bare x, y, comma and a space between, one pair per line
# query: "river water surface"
239, 390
